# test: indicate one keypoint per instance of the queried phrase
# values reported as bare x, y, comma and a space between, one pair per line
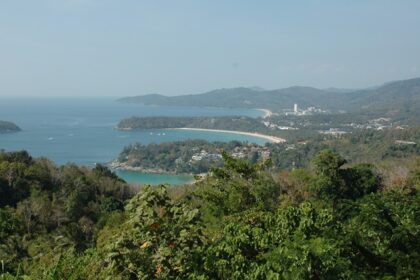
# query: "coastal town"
308, 119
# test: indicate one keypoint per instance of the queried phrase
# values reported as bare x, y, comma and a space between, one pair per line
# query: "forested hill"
197, 156
399, 100
191, 156
332, 221
8, 127
240, 97
224, 123
395, 98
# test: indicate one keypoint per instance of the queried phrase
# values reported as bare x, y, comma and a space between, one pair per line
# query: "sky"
134, 47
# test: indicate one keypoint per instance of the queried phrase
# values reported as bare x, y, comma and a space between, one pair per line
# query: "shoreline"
267, 113
273, 139
116, 165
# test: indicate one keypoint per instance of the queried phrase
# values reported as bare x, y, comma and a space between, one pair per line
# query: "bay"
133, 177
82, 130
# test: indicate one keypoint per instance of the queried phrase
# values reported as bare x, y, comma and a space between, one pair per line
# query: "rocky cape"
7, 127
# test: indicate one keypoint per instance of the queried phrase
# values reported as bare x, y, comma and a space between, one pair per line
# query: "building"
295, 108
402, 142
333, 131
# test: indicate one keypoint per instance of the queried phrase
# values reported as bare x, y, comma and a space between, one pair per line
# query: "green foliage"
45, 209
236, 187
237, 123
327, 164
333, 182
360, 180
385, 234
161, 240
10, 249
178, 156
292, 243
359, 146
414, 176
336, 222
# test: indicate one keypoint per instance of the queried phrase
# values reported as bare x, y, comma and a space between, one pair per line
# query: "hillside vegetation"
328, 222
235, 123
364, 146
191, 156
196, 156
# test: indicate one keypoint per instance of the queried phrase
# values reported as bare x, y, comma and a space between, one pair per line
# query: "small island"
7, 127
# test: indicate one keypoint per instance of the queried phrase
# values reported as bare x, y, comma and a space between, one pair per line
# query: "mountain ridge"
392, 98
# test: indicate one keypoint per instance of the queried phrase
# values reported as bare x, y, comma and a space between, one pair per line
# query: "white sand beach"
267, 113
273, 139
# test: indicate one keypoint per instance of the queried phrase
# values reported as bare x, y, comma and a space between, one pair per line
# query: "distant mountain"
240, 97
333, 89
8, 127
398, 99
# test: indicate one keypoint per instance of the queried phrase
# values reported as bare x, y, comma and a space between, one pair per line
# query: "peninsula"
238, 125
185, 157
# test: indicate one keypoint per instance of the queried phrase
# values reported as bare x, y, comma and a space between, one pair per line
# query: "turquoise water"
133, 177
82, 130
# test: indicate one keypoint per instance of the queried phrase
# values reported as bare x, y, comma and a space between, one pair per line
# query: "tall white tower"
295, 108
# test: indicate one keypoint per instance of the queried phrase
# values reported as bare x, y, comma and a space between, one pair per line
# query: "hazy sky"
129, 47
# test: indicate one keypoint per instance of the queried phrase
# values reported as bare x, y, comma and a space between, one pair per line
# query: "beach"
273, 139
267, 113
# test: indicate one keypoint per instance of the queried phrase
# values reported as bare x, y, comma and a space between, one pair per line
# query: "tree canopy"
334, 221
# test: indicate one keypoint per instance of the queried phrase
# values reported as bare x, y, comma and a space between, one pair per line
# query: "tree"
10, 246
360, 180
328, 164
160, 240
385, 235
328, 185
292, 243
334, 182
236, 187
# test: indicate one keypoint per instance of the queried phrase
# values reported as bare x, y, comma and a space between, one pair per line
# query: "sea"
82, 131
